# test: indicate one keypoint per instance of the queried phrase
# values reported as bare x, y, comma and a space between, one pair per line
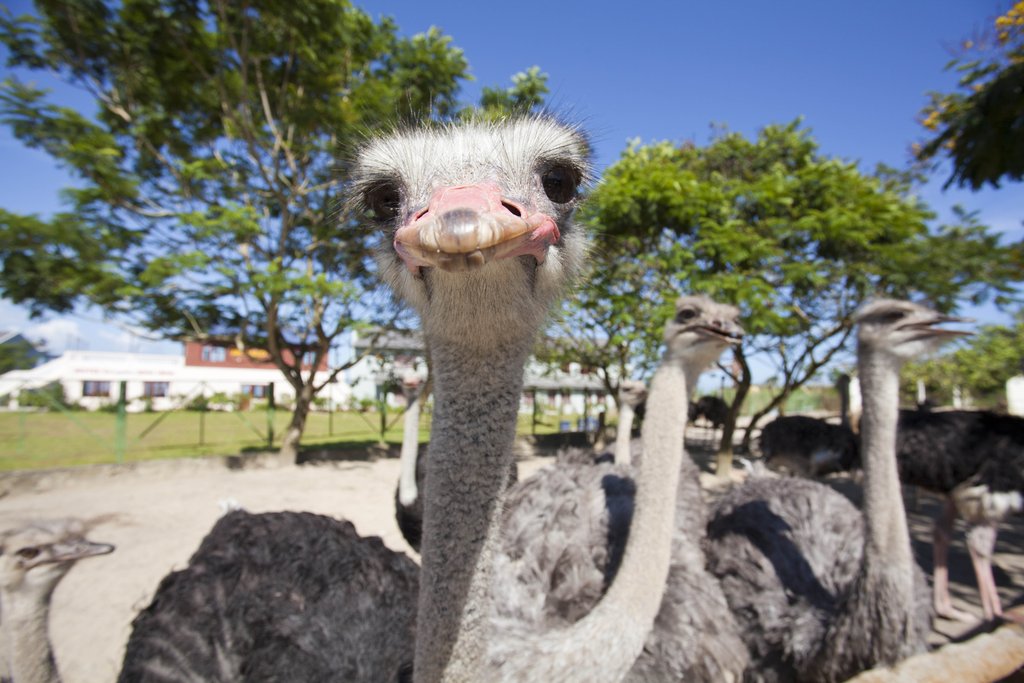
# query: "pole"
270, 415
121, 424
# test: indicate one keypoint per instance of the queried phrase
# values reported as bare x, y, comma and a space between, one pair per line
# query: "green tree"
207, 180
980, 126
526, 94
18, 354
797, 239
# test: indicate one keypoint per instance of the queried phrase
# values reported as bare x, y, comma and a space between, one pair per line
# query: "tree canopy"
980, 125
980, 367
207, 180
796, 238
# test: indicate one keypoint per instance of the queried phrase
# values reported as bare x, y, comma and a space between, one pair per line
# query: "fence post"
330, 416
534, 420
202, 424
121, 423
270, 415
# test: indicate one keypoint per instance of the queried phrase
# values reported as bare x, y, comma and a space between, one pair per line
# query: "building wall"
103, 372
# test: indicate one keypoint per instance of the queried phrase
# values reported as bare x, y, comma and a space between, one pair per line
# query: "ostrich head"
475, 221
34, 558
701, 330
903, 330
632, 392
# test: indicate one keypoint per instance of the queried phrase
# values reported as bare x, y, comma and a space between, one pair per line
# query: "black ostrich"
975, 460
280, 596
807, 446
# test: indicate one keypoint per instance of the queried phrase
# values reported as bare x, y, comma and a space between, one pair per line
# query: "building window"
154, 389
308, 357
255, 390
91, 388
214, 354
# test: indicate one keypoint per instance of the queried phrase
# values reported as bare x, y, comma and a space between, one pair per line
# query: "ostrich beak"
73, 549
723, 332
466, 226
928, 328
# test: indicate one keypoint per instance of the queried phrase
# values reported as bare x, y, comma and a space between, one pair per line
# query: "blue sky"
857, 73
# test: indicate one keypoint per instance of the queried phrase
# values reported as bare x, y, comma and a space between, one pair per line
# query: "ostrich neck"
878, 611
603, 646
407, 488
887, 539
623, 435
27, 639
476, 397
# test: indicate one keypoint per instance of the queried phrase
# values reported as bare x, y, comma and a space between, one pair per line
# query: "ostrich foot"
1014, 615
953, 614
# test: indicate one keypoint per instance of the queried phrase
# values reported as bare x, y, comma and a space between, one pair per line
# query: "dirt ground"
157, 513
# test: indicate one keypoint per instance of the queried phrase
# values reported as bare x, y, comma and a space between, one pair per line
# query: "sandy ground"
157, 513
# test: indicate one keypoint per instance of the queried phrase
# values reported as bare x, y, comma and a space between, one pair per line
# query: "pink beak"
466, 226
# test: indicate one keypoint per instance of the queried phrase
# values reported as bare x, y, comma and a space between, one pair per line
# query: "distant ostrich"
408, 502
33, 560
810, 447
807, 446
567, 525
975, 460
713, 409
279, 596
632, 393
821, 591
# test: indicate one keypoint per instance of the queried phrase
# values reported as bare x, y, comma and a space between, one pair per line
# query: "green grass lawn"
61, 439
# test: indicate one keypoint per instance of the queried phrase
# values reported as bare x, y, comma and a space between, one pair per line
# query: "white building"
92, 379
1015, 395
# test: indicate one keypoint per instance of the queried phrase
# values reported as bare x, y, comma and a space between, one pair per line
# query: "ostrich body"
975, 460
822, 591
713, 409
808, 446
279, 596
33, 560
567, 526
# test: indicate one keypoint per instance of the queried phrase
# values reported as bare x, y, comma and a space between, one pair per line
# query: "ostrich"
975, 460
482, 263
821, 591
565, 529
408, 503
279, 596
808, 446
632, 394
33, 560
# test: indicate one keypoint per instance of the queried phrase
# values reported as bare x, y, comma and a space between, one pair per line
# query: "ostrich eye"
892, 317
560, 183
685, 314
383, 200
28, 553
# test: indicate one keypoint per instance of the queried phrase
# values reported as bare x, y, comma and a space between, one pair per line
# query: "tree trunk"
724, 456
290, 442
